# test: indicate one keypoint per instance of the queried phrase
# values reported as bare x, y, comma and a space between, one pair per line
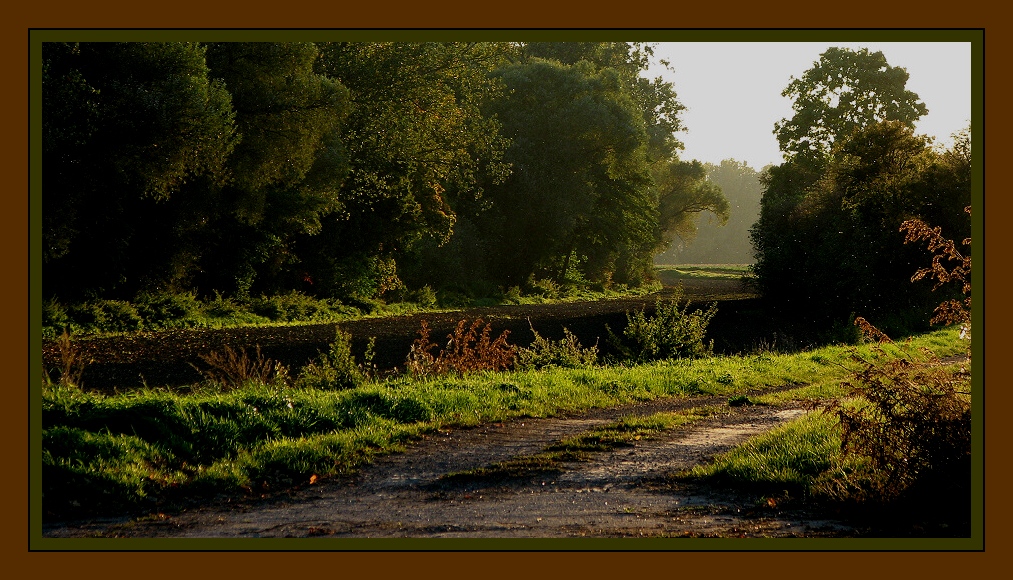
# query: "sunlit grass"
138, 450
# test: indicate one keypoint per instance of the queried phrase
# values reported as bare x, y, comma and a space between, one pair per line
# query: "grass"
163, 311
673, 274
136, 451
805, 460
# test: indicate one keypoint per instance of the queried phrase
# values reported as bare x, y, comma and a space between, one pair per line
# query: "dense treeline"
356, 170
828, 245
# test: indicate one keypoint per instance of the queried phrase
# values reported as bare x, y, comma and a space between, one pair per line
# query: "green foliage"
683, 193
565, 352
128, 128
168, 309
335, 369
843, 91
835, 248
580, 183
670, 332
296, 306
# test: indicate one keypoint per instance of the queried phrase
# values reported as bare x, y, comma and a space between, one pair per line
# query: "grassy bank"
164, 311
151, 449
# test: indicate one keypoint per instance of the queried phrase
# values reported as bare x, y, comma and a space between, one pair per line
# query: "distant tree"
718, 241
685, 192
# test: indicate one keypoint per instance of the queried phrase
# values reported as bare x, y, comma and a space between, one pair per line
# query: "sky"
732, 91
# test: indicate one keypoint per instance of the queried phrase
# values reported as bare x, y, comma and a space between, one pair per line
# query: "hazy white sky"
732, 90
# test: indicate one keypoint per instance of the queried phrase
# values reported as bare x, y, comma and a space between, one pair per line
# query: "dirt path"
622, 493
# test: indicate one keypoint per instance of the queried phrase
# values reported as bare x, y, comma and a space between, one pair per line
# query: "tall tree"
841, 182
845, 90
286, 173
418, 147
580, 186
126, 128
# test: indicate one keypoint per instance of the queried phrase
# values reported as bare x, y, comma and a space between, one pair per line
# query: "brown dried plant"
467, 351
914, 420
231, 368
72, 363
945, 253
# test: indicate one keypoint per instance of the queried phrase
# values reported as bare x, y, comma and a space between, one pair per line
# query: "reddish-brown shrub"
467, 351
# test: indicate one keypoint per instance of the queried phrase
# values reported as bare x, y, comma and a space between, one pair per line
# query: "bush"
669, 333
913, 424
231, 369
55, 319
105, 315
295, 306
466, 351
565, 352
169, 310
335, 369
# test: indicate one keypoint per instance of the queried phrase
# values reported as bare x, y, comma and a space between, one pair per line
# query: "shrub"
565, 352
55, 319
169, 310
466, 351
335, 369
106, 315
669, 333
295, 306
913, 420
230, 368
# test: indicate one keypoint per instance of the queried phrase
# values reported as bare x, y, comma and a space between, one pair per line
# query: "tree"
843, 91
717, 241
853, 169
580, 187
286, 173
840, 250
418, 146
684, 192
127, 127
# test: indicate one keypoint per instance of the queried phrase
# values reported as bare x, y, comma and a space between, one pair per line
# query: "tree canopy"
347, 169
827, 241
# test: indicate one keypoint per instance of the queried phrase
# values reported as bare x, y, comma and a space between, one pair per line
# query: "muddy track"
167, 358
627, 492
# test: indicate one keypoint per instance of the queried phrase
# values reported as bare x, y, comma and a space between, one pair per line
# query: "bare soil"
628, 492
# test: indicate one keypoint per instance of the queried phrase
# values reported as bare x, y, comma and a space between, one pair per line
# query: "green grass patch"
671, 275
164, 310
138, 450
789, 458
